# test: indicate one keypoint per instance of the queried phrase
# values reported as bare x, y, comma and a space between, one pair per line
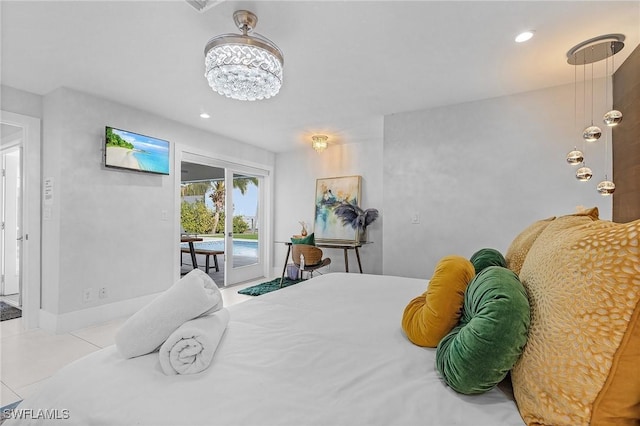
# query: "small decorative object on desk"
304, 228
357, 218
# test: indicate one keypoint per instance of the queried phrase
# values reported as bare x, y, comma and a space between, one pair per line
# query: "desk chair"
312, 258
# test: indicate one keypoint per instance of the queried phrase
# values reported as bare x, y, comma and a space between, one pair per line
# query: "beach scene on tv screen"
136, 152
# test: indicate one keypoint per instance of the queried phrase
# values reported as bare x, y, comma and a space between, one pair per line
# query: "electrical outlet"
102, 293
86, 295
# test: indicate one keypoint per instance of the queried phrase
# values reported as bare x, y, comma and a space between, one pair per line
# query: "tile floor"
29, 358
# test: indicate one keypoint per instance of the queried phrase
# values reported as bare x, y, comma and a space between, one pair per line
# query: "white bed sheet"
329, 351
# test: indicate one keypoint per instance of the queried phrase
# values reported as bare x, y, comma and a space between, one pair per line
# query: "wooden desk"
344, 246
192, 250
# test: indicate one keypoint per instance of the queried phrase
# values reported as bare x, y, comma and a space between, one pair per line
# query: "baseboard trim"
70, 321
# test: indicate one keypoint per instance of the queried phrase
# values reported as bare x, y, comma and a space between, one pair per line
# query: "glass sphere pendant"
575, 157
612, 118
591, 133
606, 187
583, 174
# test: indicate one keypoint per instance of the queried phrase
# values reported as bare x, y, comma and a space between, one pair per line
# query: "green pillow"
478, 353
308, 240
487, 257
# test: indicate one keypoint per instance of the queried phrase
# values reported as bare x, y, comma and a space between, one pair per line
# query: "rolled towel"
191, 347
194, 295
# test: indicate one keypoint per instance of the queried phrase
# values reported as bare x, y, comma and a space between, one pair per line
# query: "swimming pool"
247, 248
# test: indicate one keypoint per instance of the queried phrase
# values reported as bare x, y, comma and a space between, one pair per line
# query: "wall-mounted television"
133, 151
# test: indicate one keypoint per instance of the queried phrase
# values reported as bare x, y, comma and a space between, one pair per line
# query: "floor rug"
267, 287
8, 312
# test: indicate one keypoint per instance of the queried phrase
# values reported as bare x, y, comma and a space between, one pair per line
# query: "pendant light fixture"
242, 66
584, 173
589, 52
575, 157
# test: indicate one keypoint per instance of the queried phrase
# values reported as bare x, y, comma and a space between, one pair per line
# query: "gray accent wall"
478, 173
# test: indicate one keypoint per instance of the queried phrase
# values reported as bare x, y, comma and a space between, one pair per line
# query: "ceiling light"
524, 36
319, 142
243, 67
204, 115
588, 52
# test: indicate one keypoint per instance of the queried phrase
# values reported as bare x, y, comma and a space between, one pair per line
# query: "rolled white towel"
194, 295
191, 347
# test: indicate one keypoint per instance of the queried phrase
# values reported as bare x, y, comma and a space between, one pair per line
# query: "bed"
327, 351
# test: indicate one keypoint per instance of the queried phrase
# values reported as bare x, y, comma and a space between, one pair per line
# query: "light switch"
415, 219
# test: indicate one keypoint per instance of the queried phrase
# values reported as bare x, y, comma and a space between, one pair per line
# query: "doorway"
223, 204
20, 213
20, 147
11, 217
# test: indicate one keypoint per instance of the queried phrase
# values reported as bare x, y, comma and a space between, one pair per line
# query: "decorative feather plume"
355, 216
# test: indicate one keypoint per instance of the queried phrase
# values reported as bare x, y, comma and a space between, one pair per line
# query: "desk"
192, 250
344, 246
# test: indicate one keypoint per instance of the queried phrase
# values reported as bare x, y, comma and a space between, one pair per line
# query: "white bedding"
328, 351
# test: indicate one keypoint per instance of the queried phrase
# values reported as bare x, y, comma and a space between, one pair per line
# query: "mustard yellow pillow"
430, 316
581, 364
520, 246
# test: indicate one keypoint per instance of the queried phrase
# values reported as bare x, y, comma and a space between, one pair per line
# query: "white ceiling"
347, 63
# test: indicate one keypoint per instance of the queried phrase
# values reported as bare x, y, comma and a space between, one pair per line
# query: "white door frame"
193, 155
31, 216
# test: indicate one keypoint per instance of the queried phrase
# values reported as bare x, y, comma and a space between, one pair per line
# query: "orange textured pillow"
580, 365
517, 251
430, 316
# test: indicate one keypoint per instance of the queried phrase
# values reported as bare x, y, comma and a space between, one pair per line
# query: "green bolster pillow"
479, 352
486, 257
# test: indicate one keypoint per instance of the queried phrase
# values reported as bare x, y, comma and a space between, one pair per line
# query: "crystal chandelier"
319, 142
588, 52
244, 67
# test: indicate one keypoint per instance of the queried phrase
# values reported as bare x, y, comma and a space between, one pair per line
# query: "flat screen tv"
133, 151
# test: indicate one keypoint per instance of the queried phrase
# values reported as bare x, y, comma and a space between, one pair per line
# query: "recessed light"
204, 115
524, 36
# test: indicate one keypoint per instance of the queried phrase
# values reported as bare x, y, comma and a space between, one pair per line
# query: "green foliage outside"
115, 140
239, 225
196, 218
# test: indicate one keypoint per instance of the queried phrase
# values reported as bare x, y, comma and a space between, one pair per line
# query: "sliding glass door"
223, 204
243, 245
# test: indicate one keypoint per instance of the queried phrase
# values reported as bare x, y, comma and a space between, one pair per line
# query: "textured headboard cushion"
486, 257
430, 316
480, 351
580, 365
517, 251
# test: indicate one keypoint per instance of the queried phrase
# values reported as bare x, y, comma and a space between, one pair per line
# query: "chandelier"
319, 142
243, 67
588, 52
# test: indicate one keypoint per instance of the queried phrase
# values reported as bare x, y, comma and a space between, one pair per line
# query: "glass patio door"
243, 243
11, 229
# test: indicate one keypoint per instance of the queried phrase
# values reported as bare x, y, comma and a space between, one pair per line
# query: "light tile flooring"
29, 358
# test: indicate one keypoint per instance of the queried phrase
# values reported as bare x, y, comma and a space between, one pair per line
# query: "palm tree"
195, 188
219, 192
217, 196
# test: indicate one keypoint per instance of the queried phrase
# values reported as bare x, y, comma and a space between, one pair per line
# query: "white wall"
478, 173
20, 102
295, 182
105, 227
